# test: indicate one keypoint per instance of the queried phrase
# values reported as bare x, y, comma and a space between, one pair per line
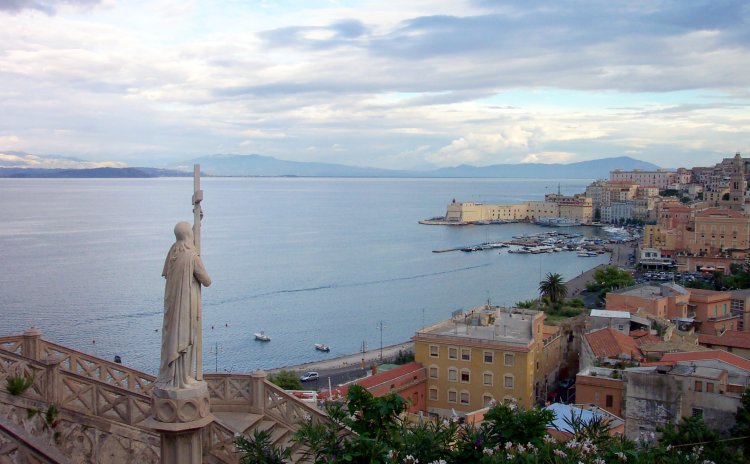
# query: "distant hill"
94, 173
257, 165
594, 169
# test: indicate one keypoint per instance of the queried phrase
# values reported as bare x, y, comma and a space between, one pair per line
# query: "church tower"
737, 184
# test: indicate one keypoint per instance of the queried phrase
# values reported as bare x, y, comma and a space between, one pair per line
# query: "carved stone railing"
83, 384
30, 345
218, 441
287, 409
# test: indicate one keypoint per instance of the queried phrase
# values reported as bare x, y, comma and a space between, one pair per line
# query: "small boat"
261, 336
322, 347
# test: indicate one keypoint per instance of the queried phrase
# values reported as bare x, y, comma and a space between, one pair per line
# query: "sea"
339, 261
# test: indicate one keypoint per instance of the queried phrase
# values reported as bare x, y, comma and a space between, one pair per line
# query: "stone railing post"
53, 387
258, 392
32, 344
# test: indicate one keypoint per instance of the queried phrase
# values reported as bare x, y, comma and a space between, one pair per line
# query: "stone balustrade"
85, 385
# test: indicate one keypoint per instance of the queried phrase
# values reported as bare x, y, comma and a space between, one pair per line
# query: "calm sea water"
306, 260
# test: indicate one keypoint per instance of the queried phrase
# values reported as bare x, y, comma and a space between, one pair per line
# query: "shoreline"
576, 285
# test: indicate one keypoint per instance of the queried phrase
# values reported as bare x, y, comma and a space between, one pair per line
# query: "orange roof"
731, 338
611, 343
720, 355
647, 339
377, 379
720, 212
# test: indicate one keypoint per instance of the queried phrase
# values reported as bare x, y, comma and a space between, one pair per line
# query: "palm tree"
553, 287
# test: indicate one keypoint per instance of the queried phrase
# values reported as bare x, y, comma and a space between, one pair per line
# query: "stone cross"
197, 216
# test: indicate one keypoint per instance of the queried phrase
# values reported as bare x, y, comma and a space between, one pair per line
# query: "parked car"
307, 376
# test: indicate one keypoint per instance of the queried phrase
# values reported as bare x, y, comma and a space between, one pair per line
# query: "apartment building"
489, 353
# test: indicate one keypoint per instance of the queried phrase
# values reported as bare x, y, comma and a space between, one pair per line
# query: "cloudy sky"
406, 84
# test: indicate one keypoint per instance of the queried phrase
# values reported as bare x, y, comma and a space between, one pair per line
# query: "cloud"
48, 7
548, 157
26, 160
388, 84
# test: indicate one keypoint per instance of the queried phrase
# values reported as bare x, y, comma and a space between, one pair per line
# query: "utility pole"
381, 325
364, 349
215, 350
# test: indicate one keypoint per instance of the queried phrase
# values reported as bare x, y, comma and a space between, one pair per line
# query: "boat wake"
346, 285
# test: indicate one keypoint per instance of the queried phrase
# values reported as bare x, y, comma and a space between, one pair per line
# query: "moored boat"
261, 336
322, 347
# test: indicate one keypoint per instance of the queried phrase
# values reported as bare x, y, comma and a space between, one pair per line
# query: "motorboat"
322, 347
261, 336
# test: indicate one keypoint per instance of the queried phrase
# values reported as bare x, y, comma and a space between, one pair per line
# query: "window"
433, 393
433, 372
487, 379
488, 357
697, 412
508, 381
452, 353
610, 401
433, 351
465, 354
487, 400
464, 397
698, 386
452, 374
452, 395
465, 375
508, 359
709, 387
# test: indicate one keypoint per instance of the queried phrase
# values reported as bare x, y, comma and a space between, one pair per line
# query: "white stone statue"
185, 274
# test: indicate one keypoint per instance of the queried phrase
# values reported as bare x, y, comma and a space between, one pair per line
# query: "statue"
185, 274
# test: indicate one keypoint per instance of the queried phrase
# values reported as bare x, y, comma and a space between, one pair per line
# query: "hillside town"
659, 337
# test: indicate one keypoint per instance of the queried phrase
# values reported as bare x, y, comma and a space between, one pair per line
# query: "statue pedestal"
179, 415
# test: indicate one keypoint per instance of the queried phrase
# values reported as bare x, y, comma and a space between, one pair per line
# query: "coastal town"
658, 336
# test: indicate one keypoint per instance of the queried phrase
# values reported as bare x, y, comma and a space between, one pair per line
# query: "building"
618, 320
608, 346
489, 353
730, 341
407, 381
740, 306
712, 310
717, 230
602, 387
665, 300
660, 178
658, 395
576, 208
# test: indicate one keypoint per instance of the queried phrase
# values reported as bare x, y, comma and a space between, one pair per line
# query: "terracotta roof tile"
724, 356
731, 338
611, 343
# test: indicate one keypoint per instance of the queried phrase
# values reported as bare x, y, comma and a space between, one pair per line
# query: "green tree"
609, 278
553, 287
742, 422
693, 430
287, 380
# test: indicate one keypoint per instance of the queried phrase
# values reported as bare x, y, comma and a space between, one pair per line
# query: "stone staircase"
103, 405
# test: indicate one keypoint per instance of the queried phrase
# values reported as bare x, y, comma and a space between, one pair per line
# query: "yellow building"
489, 353
580, 209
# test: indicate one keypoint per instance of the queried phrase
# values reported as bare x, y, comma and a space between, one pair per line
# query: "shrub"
18, 384
287, 380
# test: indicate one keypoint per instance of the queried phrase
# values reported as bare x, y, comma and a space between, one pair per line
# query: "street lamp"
381, 325
215, 351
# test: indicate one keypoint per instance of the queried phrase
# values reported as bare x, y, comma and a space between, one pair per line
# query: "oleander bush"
508, 435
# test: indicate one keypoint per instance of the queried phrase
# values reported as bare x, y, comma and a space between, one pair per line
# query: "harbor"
552, 242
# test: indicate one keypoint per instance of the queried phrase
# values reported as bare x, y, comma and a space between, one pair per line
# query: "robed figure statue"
185, 273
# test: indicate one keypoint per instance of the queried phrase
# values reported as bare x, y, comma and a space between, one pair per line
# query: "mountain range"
25, 165
257, 165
